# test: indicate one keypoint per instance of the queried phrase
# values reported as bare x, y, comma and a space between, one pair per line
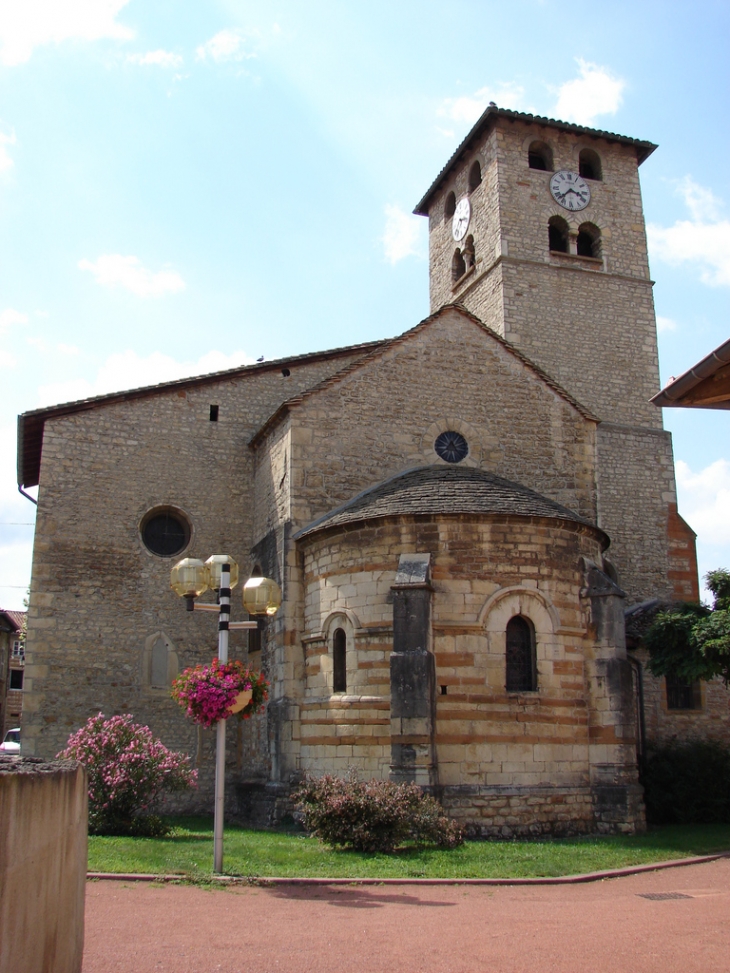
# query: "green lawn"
189, 852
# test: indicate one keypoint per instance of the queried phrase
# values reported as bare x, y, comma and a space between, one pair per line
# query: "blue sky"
186, 186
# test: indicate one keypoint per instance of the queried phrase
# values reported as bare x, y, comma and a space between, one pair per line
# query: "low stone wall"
43, 856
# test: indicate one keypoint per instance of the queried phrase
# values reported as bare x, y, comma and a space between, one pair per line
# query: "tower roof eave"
643, 149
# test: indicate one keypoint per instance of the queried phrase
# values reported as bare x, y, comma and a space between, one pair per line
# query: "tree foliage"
692, 641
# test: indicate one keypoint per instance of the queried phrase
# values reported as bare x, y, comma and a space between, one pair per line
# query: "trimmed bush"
373, 815
687, 783
128, 770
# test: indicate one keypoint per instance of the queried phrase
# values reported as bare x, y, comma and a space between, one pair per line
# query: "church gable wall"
97, 593
384, 417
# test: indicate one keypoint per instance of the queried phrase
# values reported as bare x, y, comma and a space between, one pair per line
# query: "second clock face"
570, 190
460, 223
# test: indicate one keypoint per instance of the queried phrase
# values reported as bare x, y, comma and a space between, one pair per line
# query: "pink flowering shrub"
207, 693
127, 770
373, 815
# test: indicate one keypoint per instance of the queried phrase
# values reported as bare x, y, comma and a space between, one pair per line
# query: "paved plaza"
671, 921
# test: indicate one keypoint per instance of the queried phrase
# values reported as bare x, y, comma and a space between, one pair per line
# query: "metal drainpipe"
26, 495
642, 721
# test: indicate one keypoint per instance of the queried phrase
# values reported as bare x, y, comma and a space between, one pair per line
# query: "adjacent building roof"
488, 120
444, 490
705, 386
31, 424
11, 621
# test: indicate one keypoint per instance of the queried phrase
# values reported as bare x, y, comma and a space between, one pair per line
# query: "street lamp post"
261, 596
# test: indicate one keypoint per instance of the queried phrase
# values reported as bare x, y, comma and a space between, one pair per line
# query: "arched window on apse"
540, 157
558, 234
589, 240
475, 176
521, 664
458, 266
589, 164
339, 661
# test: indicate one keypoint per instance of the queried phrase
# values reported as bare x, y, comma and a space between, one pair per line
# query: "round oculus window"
451, 447
165, 533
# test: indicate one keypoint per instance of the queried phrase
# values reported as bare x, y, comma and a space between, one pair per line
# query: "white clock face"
460, 223
570, 190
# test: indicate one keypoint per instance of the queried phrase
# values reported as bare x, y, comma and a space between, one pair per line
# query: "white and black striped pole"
224, 611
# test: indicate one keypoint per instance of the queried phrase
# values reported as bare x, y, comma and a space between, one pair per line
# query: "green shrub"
687, 783
373, 815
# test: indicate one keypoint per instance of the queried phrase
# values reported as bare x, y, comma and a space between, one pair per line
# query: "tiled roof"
442, 489
31, 424
492, 113
16, 619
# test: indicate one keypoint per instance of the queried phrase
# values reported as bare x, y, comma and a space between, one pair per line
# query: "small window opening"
589, 240
254, 638
540, 157
285, 372
214, 413
458, 266
521, 668
558, 234
443, 690
475, 176
449, 206
16, 679
589, 164
339, 661
683, 694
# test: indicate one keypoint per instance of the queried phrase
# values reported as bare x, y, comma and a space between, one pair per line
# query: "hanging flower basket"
216, 691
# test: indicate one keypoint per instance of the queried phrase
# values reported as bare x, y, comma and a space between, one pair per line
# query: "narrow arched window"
589, 240
449, 206
540, 157
589, 164
458, 266
558, 234
339, 661
158, 665
521, 667
475, 176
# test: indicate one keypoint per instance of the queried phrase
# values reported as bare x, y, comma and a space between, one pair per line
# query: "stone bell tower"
537, 227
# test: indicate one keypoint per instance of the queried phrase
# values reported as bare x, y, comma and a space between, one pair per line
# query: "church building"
458, 517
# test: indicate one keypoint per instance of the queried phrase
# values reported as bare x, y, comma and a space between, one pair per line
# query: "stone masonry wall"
98, 596
507, 762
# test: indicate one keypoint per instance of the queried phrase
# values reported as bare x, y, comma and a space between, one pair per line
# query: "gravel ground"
610, 925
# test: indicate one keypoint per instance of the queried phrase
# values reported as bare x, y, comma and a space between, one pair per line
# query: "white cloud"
595, 92
700, 201
10, 317
114, 270
127, 369
703, 241
468, 108
27, 24
665, 324
705, 500
160, 58
403, 236
228, 45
